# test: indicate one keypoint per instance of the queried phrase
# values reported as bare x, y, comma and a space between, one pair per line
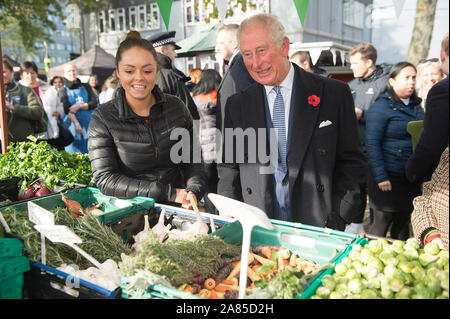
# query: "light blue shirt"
286, 91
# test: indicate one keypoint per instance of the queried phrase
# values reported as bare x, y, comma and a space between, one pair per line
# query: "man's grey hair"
231, 30
276, 29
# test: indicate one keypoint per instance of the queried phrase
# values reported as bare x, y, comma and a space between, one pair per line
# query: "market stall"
76, 242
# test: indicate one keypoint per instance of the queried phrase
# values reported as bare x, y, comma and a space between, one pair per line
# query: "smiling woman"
129, 136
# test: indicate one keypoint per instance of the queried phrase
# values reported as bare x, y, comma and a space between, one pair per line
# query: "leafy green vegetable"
35, 160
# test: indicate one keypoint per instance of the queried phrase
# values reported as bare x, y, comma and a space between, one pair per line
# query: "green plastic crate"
311, 289
12, 287
10, 247
114, 208
320, 245
11, 266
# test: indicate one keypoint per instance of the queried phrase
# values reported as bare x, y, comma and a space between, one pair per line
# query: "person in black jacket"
434, 137
131, 145
171, 80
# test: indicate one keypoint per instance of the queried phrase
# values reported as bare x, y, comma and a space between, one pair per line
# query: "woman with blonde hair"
428, 74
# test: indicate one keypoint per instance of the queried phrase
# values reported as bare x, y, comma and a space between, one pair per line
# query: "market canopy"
201, 42
94, 61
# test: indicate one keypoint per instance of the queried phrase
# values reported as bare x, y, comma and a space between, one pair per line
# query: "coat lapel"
304, 119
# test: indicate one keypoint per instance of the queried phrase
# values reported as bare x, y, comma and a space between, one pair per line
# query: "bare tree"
423, 31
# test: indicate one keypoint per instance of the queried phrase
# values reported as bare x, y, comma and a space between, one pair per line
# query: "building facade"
345, 22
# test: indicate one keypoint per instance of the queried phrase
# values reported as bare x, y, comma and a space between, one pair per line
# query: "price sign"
58, 234
39, 215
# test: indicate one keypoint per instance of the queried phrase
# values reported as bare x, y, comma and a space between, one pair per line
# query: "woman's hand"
385, 186
74, 108
78, 128
183, 198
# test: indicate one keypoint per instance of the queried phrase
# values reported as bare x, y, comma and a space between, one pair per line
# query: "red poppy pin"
314, 100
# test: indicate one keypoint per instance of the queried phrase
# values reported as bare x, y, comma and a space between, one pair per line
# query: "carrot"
210, 283
255, 267
189, 289
261, 259
204, 293
267, 252
222, 288
214, 295
220, 295
234, 263
227, 282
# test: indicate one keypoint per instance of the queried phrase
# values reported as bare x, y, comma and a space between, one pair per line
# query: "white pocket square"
325, 123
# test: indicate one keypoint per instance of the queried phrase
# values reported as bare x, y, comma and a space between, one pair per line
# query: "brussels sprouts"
374, 283
385, 256
389, 270
341, 269
426, 259
432, 249
398, 249
352, 274
357, 247
435, 286
354, 254
346, 260
405, 266
445, 294
357, 265
368, 294
443, 253
418, 273
387, 294
366, 255
341, 289
329, 282
323, 292
376, 246
397, 284
413, 243
411, 254
424, 293
315, 297
404, 293
336, 295
441, 262
389, 249
398, 243
444, 281
370, 271
355, 286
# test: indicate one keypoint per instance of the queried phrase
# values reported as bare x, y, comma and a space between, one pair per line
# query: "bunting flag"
398, 4
302, 8
165, 6
222, 8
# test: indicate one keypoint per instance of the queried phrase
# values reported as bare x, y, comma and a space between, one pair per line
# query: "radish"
27, 193
42, 191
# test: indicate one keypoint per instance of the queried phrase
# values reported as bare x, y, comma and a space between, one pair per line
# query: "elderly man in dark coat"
315, 154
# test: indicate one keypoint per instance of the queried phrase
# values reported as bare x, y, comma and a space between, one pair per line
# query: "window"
195, 11
132, 17
112, 20
153, 16
121, 19
354, 13
102, 21
141, 16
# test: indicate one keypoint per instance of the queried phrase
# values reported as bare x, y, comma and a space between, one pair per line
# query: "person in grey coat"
319, 155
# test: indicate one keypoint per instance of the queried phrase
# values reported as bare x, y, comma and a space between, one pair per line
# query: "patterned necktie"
279, 123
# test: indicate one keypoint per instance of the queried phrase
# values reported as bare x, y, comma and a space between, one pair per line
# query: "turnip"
28, 193
42, 191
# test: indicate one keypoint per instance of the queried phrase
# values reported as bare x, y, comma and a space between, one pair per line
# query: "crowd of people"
331, 147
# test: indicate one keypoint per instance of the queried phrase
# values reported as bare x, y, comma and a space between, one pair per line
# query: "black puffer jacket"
131, 155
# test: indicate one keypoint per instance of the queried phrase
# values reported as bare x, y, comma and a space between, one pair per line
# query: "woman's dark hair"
132, 40
8, 64
395, 71
56, 77
209, 81
28, 65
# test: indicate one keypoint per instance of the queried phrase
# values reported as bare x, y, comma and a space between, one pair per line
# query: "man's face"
169, 50
70, 72
266, 62
360, 66
225, 45
29, 77
7, 74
